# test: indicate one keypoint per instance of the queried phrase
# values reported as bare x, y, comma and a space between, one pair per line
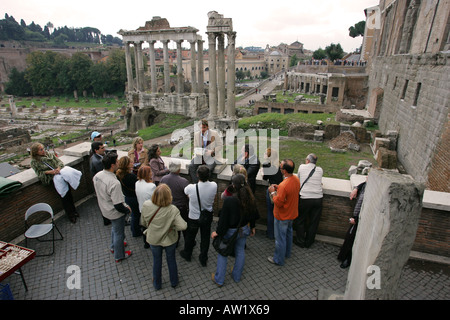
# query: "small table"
12, 258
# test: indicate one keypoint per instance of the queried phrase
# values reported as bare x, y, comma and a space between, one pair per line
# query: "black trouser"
184, 212
68, 205
191, 233
307, 222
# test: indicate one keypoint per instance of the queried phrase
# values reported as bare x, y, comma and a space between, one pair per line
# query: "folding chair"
36, 231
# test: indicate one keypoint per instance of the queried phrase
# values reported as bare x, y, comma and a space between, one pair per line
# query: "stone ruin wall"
423, 129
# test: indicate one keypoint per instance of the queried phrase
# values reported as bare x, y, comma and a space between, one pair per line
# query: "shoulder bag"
310, 174
205, 215
225, 247
153, 217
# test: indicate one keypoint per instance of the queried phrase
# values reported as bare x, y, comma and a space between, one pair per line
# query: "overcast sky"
315, 23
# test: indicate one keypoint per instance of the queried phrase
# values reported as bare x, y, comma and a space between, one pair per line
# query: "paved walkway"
306, 273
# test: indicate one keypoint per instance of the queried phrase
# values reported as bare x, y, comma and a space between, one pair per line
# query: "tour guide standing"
112, 204
285, 200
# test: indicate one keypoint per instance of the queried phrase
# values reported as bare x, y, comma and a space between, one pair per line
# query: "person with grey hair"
310, 202
177, 184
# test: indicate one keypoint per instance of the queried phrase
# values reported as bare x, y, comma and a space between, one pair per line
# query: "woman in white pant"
51, 170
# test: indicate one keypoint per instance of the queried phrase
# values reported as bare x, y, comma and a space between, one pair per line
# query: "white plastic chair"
36, 231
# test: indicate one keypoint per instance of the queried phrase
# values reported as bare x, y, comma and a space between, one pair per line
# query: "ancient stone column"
386, 232
166, 66
193, 68
221, 74
136, 68
153, 67
231, 76
200, 69
140, 66
179, 68
130, 78
212, 75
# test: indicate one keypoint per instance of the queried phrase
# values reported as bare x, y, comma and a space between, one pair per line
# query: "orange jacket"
286, 200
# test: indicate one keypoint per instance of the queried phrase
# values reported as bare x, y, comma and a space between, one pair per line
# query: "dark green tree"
80, 65
357, 29
43, 71
17, 85
334, 51
319, 54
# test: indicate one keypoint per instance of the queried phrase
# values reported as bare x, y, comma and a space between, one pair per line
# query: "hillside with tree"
11, 30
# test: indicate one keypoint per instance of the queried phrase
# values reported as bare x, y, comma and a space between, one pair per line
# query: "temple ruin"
145, 100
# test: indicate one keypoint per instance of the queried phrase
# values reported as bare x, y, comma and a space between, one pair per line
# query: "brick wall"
439, 176
13, 208
415, 104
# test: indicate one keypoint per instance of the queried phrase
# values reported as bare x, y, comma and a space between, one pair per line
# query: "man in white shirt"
112, 204
209, 144
310, 202
207, 191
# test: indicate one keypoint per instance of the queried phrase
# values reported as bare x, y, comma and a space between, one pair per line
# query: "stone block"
386, 159
380, 143
318, 135
387, 228
352, 170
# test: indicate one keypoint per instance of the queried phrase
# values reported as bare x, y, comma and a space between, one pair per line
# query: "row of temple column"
217, 85
217, 96
196, 79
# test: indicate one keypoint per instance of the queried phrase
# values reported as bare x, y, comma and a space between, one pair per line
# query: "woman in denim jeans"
163, 221
238, 212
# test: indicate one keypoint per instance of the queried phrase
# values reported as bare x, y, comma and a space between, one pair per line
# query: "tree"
293, 61
117, 71
240, 75
100, 79
357, 29
43, 71
80, 64
17, 85
334, 51
319, 54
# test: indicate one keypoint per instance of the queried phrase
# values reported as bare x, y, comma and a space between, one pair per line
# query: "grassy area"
281, 121
165, 124
334, 165
70, 102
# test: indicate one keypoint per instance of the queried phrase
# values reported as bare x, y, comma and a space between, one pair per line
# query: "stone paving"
86, 245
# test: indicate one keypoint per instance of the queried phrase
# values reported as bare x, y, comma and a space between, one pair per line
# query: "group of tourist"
162, 205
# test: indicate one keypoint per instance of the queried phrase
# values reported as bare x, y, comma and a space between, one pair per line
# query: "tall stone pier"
387, 228
221, 92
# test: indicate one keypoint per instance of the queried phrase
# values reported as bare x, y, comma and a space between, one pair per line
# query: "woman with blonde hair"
128, 182
138, 154
162, 221
51, 170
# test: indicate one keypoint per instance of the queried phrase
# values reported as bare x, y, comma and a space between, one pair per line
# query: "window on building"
416, 95
405, 87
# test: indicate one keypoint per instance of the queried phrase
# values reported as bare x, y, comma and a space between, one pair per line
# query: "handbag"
225, 247
205, 215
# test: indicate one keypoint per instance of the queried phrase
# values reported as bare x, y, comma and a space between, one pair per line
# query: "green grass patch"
334, 165
281, 121
165, 124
